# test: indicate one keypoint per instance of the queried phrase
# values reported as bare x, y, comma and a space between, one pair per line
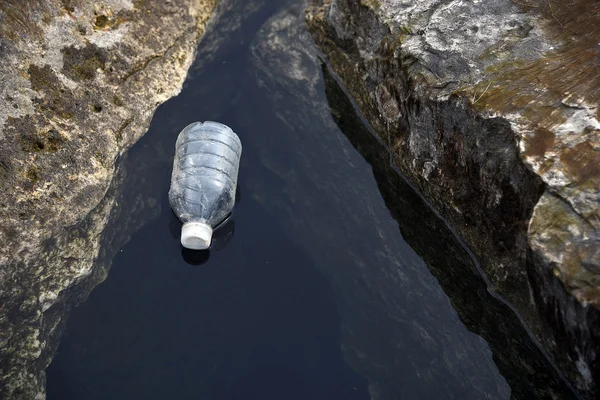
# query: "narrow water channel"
332, 280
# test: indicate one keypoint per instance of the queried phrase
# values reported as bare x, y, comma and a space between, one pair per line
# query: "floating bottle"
204, 180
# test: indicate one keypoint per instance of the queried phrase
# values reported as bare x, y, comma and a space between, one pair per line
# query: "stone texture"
394, 325
81, 81
489, 109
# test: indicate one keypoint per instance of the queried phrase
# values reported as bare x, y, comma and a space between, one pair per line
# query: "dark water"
332, 280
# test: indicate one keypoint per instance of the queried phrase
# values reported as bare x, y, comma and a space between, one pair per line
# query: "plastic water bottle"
204, 179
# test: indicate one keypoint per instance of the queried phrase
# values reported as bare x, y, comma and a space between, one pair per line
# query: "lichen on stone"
66, 115
496, 106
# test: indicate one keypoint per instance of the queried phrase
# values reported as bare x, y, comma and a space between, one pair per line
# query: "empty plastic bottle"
204, 179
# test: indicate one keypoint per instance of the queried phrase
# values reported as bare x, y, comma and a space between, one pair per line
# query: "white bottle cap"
196, 235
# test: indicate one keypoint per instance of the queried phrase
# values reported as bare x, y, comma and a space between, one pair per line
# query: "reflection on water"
195, 257
523, 365
331, 280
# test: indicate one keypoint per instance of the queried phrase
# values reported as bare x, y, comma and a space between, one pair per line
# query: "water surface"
332, 280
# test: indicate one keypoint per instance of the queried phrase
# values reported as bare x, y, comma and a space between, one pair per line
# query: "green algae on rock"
63, 64
490, 109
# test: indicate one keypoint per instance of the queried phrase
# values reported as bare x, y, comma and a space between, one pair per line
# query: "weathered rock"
80, 82
393, 320
490, 109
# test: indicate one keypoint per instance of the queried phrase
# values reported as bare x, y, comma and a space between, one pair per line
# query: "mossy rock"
80, 82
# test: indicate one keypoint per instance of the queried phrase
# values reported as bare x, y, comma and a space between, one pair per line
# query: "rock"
392, 316
81, 81
490, 110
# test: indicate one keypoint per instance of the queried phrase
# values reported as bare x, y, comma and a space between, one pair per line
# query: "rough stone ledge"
490, 109
80, 83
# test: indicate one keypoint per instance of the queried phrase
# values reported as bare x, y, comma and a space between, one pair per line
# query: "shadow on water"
309, 291
519, 360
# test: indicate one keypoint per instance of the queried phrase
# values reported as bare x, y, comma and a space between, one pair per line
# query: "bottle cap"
196, 235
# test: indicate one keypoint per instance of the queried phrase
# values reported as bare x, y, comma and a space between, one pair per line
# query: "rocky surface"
490, 110
81, 81
400, 351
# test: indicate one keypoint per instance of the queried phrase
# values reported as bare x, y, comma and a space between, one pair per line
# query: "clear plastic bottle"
204, 179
